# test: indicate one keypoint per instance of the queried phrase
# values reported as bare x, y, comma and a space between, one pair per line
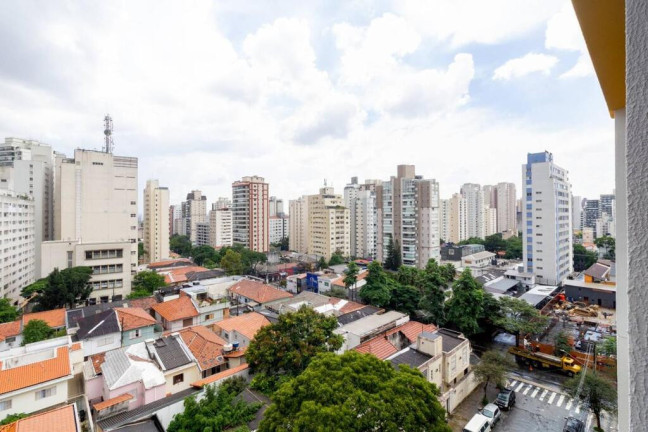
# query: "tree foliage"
394, 259
609, 346
376, 290
494, 243
608, 244
597, 393
12, 418
472, 240
336, 259
583, 259
465, 307
355, 392
561, 344
8, 312
36, 330
520, 318
492, 368
200, 254
513, 248
351, 278
219, 410
287, 346
232, 263
66, 287
180, 244
145, 283
322, 264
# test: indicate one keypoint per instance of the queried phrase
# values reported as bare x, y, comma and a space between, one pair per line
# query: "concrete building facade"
360, 199
156, 221
577, 213
279, 228
547, 229
17, 243
329, 228
490, 221
220, 223
506, 208
474, 197
276, 206
175, 220
298, 227
194, 211
250, 213
455, 219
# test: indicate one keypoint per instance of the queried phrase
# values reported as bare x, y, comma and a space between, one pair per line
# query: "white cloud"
563, 33
525, 65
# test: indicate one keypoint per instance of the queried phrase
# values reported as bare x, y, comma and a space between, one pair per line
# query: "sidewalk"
469, 406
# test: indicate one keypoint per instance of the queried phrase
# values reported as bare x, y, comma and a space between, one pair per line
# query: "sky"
205, 92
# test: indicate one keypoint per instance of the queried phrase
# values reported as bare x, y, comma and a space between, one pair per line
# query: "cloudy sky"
301, 91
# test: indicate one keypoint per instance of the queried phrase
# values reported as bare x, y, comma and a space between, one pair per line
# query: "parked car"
505, 399
492, 412
478, 423
572, 424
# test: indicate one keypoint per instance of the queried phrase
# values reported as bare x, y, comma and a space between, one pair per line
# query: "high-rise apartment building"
474, 196
490, 196
27, 167
490, 221
250, 213
454, 219
546, 219
194, 211
276, 206
156, 221
577, 212
408, 213
360, 199
607, 204
279, 228
592, 212
506, 208
328, 224
95, 220
203, 234
175, 220
220, 223
298, 226
17, 243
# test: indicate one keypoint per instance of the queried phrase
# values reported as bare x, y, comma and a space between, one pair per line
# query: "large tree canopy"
145, 282
519, 317
355, 392
8, 313
36, 330
62, 288
466, 306
598, 393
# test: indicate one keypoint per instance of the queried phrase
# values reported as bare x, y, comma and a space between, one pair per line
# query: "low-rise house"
256, 294
206, 347
453, 252
318, 302
478, 260
443, 356
38, 376
210, 309
176, 362
394, 340
62, 419
359, 331
240, 330
55, 319
10, 335
354, 289
296, 283
527, 280
176, 313
136, 325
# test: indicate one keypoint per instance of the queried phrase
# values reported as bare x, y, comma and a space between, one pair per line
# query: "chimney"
430, 343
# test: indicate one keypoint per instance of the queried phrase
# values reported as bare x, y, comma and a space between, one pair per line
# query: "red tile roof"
167, 263
257, 291
54, 318
350, 306
205, 345
412, 329
247, 324
176, 309
9, 329
381, 347
61, 419
97, 361
145, 303
111, 402
340, 281
75, 346
220, 376
36, 373
178, 275
132, 318
378, 346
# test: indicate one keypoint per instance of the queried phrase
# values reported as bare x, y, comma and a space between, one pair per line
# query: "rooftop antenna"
108, 128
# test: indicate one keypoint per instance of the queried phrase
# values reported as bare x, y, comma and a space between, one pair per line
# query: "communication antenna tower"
108, 128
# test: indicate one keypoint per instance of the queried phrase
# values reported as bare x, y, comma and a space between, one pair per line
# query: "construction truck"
545, 361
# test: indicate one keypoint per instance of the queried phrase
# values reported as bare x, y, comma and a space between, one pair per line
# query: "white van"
478, 423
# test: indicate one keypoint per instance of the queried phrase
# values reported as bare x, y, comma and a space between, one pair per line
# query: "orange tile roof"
238, 353
340, 281
247, 324
179, 274
97, 361
205, 345
61, 419
219, 376
144, 303
350, 306
412, 329
379, 346
54, 318
257, 291
166, 263
75, 346
111, 402
9, 329
36, 373
132, 318
176, 309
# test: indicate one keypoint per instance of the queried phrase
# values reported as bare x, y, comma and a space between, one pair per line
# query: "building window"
135, 334
5, 405
69, 259
178, 379
45, 393
209, 317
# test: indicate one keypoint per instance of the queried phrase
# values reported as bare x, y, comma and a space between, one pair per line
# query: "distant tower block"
108, 128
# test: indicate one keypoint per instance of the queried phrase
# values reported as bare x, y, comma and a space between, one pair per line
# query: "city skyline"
464, 99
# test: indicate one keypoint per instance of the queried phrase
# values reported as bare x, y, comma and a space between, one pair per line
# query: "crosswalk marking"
519, 387
577, 410
527, 389
560, 400
569, 404
512, 383
551, 398
535, 392
544, 393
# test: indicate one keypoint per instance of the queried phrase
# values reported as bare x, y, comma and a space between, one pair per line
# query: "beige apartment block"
251, 213
506, 207
194, 212
156, 221
298, 226
220, 223
329, 225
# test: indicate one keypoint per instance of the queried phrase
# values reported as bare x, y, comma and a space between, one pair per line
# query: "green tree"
336, 259
219, 410
34, 288
448, 272
141, 251
145, 283
520, 318
394, 259
180, 244
608, 244
598, 393
561, 344
336, 292
351, 278
492, 368
355, 392
609, 346
432, 304
465, 307
513, 248
472, 240
322, 264
232, 263
376, 290
12, 418
288, 345
202, 253
494, 243
583, 259
64, 288
8, 312
409, 276
404, 298
36, 330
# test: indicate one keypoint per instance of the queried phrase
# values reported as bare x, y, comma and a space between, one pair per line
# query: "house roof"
598, 271
220, 376
412, 329
145, 303
410, 357
257, 291
61, 419
479, 255
357, 314
131, 364
100, 324
132, 318
170, 353
54, 318
176, 309
28, 375
205, 345
97, 361
370, 324
180, 262
112, 402
9, 329
451, 339
340, 281
179, 274
382, 347
73, 315
247, 324
378, 346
